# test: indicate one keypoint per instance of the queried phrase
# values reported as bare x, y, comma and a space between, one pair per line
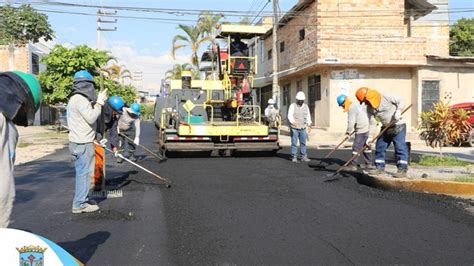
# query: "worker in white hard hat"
272, 115
299, 118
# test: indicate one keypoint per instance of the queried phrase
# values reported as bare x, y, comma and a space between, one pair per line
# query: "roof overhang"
419, 8
457, 59
245, 31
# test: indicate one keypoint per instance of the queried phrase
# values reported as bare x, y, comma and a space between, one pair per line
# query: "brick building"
28, 59
399, 46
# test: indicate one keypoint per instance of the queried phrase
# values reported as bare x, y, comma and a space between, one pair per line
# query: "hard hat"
116, 102
83, 74
341, 99
361, 93
271, 101
300, 96
34, 87
135, 107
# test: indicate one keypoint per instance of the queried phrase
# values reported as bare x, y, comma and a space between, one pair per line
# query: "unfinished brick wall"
357, 32
21, 58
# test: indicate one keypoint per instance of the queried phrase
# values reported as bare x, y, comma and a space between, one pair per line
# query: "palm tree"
192, 39
118, 73
207, 23
175, 72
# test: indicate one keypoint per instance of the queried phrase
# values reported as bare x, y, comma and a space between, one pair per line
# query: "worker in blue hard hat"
20, 98
129, 126
83, 110
108, 121
357, 120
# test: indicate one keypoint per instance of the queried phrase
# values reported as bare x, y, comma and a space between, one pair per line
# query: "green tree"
62, 63
176, 71
192, 39
18, 26
462, 38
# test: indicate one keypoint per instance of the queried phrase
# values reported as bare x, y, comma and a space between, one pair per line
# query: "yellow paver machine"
221, 112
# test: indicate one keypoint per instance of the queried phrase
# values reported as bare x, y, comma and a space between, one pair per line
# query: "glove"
398, 115
102, 97
136, 141
103, 142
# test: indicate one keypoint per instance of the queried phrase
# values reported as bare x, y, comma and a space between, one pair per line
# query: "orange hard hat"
361, 93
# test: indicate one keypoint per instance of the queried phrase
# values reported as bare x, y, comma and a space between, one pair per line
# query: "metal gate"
429, 94
314, 94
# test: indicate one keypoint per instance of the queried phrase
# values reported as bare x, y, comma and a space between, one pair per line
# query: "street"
246, 209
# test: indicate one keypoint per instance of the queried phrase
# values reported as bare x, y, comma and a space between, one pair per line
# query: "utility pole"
275, 86
100, 19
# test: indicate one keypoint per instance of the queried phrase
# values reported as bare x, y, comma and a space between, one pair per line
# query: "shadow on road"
84, 248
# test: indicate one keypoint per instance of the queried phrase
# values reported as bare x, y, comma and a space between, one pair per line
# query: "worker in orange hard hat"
387, 108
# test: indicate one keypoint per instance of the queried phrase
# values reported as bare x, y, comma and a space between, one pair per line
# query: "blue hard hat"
116, 102
341, 99
135, 107
83, 74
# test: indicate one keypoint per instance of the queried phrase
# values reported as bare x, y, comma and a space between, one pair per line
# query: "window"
302, 34
286, 94
429, 94
269, 54
282, 47
34, 64
261, 48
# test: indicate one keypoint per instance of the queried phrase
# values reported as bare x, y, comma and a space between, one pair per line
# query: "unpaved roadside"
38, 141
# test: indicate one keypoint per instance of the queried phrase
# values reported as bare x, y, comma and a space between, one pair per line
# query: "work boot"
86, 207
305, 159
294, 159
133, 158
378, 171
350, 168
401, 173
119, 160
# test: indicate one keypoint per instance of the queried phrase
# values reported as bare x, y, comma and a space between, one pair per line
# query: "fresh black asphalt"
247, 209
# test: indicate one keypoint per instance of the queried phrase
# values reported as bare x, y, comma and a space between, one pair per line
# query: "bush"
147, 111
443, 126
428, 160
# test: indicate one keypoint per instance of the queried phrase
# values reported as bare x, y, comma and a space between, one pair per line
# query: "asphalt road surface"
241, 210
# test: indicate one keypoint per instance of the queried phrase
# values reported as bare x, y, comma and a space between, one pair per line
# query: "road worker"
129, 125
358, 122
83, 110
299, 118
20, 98
387, 108
108, 121
271, 113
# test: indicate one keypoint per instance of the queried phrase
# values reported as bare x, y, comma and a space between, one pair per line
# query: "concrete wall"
386, 80
22, 58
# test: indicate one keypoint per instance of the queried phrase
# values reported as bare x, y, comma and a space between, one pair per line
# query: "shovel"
145, 148
336, 176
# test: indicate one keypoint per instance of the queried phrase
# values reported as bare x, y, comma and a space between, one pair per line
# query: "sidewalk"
38, 141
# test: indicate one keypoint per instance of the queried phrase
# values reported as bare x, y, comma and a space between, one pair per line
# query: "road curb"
450, 188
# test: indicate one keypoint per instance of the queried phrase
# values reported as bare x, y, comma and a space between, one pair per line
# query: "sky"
144, 45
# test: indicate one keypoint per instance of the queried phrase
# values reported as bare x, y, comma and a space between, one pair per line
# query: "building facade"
395, 46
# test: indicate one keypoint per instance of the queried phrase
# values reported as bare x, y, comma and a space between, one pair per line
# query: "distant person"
358, 121
272, 115
299, 117
129, 125
238, 48
83, 110
20, 98
387, 108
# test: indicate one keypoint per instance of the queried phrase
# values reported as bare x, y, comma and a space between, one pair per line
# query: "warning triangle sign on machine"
241, 66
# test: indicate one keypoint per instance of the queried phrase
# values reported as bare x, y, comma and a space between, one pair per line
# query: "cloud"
153, 67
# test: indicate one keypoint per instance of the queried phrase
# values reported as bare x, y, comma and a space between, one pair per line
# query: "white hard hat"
300, 96
271, 101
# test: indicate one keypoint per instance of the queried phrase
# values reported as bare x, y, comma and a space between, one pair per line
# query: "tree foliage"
62, 63
176, 71
443, 126
18, 26
462, 38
